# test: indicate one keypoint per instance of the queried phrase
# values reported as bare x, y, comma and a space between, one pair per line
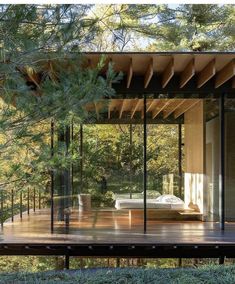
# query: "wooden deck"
110, 228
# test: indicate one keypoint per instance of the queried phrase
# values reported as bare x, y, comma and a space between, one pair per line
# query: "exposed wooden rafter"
129, 74
225, 74
150, 104
122, 108
97, 110
137, 104
168, 73
188, 73
206, 74
110, 107
176, 104
156, 112
185, 107
149, 73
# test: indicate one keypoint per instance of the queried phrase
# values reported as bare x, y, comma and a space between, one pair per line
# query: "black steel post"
145, 165
222, 164
180, 158
28, 201
67, 180
221, 260
52, 177
61, 176
34, 200
2, 207
81, 158
66, 261
39, 199
12, 205
72, 167
131, 143
21, 205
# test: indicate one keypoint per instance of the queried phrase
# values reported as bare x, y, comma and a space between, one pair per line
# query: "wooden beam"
188, 73
97, 110
149, 105
109, 109
233, 83
149, 73
206, 74
158, 110
129, 74
225, 74
171, 110
168, 73
182, 110
122, 108
138, 101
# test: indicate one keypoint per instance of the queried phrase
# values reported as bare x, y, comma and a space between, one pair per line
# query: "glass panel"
212, 160
229, 159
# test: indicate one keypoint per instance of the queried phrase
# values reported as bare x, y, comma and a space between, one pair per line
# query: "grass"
206, 274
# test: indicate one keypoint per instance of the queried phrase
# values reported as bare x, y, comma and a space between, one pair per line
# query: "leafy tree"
41, 79
195, 27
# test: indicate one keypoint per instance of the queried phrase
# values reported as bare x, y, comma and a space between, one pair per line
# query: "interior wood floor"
111, 226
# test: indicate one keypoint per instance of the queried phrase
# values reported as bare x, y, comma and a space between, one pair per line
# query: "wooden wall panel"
194, 155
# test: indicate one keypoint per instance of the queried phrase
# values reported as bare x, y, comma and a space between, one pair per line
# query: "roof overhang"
171, 74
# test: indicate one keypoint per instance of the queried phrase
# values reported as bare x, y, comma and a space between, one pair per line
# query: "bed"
165, 201
163, 207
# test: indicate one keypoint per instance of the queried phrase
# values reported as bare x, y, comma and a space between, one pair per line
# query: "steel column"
222, 163
2, 207
28, 201
145, 165
72, 167
130, 162
81, 158
52, 177
21, 205
67, 179
34, 200
180, 158
12, 205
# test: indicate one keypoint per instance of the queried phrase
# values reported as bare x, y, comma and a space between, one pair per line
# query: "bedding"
167, 202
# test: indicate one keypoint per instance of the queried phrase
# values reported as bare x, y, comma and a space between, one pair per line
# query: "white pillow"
152, 193
168, 198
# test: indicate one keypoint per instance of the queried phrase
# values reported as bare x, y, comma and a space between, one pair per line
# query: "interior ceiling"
116, 108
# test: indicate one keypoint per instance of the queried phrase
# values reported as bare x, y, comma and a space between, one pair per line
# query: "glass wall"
212, 160
229, 159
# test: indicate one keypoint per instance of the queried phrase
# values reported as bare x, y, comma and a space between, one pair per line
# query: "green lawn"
206, 274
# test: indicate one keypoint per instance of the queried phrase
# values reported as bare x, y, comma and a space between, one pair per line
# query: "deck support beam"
66, 261
222, 163
145, 165
221, 259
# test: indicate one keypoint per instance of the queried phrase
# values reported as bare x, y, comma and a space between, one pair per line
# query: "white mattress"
151, 204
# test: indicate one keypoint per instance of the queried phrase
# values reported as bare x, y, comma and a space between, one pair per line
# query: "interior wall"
194, 156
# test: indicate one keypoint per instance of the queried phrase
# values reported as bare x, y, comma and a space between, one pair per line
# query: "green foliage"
101, 200
107, 152
213, 274
191, 27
